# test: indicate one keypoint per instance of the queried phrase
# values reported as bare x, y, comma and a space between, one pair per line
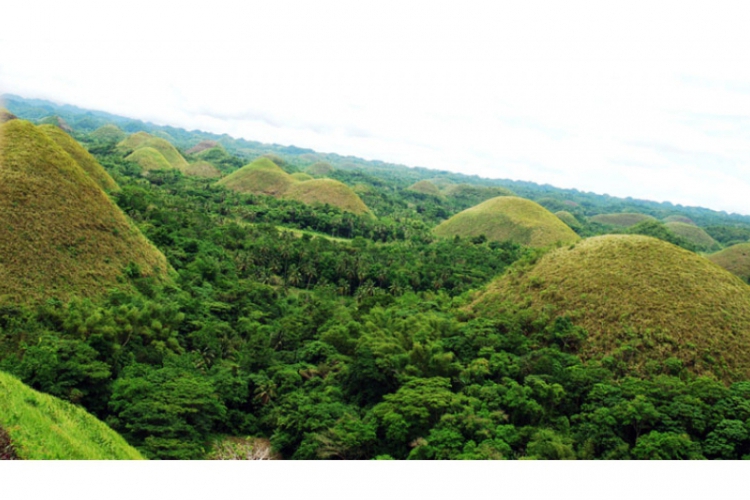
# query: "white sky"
643, 99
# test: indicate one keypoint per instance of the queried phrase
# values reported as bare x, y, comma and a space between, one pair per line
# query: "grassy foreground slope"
42, 427
60, 234
735, 259
509, 218
643, 301
81, 156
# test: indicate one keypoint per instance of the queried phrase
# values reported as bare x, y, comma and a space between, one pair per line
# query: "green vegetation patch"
42, 427
621, 220
262, 176
81, 156
328, 191
735, 259
425, 187
202, 169
694, 235
641, 300
60, 234
149, 159
509, 218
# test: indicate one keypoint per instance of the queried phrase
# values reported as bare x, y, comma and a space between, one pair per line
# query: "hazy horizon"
649, 101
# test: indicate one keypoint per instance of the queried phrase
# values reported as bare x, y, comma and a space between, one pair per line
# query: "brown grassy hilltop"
262, 176
509, 218
60, 234
332, 192
425, 187
81, 156
642, 301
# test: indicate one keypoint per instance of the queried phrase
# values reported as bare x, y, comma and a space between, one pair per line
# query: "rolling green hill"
202, 169
320, 169
301, 176
643, 302
60, 234
569, 219
735, 259
87, 162
42, 427
509, 218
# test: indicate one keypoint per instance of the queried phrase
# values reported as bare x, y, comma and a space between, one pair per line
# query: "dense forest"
303, 331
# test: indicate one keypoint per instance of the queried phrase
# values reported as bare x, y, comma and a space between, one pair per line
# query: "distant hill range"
555, 199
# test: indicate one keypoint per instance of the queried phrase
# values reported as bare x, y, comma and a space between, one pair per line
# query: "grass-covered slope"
56, 121
108, 133
149, 159
509, 218
60, 234
262, 176
81, 156
202, 146
568, 218
693, 234
202, 169
643, 302
301, 176
141, 140
42, 427
621, 220
328, 191
679, 218
735, 259
425, 187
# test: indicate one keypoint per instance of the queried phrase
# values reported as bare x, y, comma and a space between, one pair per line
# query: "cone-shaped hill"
735, 259
81, 156
108, 133
475, 194
509, 218
425, 187
60, 234
679, 218
38, 426
262, 176
332, 192
149, 159
621, 220
568, 218
693, 234
642, 301
141, 140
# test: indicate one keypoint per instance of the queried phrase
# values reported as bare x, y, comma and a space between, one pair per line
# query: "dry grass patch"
60, 234
82, 157
642, 301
